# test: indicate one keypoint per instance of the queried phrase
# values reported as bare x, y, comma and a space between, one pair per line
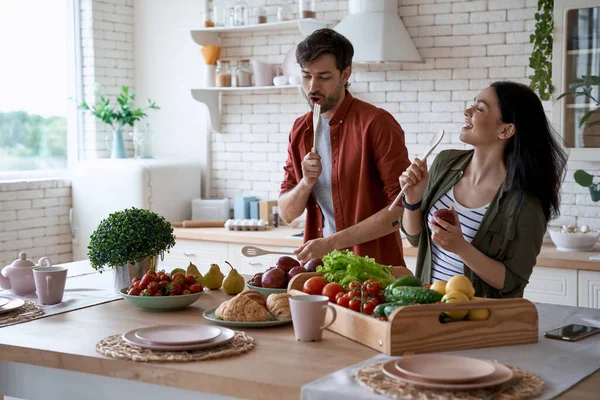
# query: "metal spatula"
316, 121
251, 251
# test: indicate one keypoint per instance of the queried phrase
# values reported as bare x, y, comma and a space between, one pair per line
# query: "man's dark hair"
326, 41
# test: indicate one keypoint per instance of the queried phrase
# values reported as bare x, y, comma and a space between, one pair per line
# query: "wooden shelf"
583, 51
585, 105
211, 97
206, 36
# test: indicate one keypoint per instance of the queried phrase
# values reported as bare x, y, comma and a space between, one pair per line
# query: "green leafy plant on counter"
124, 114
541, 56
586, 180
344, 267
128, 236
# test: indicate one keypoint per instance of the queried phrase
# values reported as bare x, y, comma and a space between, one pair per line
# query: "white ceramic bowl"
574, 241
295, 80
280, 81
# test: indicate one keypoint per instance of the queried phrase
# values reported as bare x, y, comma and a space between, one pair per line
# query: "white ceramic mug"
50, 284
308, 316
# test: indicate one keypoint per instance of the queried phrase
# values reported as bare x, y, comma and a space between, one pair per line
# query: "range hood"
377, 32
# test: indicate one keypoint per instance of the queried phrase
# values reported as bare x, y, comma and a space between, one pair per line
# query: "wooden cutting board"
199, 224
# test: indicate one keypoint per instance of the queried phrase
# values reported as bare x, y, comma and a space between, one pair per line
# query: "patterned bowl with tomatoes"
265, 291
161, 303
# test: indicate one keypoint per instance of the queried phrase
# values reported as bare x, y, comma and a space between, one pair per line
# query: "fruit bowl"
265, 291
574, 241
160, 303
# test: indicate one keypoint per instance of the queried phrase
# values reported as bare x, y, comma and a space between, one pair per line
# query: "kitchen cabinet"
589, 289
552, 285
202, 254
576, 52
252, 265
211, 96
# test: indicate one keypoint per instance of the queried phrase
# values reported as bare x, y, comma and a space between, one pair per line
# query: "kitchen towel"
560, 364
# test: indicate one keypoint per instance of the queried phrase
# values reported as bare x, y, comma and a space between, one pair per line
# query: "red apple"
444, 214
287, 263
274, 278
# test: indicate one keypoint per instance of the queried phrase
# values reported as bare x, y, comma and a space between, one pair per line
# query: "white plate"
225, 336
501, 375
11, 305
3, 301
178, 334
289, 66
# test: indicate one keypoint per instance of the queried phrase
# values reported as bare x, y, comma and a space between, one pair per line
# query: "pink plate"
178, 334
444, 368
3, 301
502, 374
225, 336
11, 305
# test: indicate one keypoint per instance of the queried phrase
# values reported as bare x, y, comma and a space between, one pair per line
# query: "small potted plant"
125, 114
129, 241
586, 180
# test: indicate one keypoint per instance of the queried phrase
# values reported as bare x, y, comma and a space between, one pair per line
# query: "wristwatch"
411, 207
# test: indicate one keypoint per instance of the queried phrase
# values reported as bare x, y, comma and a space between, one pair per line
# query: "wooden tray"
417, 329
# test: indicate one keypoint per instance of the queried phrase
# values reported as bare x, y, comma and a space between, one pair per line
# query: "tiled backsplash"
34, 218
466, 46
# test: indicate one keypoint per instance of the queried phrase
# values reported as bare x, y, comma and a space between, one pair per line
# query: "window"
38, 82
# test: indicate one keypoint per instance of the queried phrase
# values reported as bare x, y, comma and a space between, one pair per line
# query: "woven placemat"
114, 346
26, 312
373, 378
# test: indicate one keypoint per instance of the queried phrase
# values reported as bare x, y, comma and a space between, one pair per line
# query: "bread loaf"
256, 296
279, 306
243, 309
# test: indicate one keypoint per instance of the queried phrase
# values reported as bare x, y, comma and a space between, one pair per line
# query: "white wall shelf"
206, 36
583, 51
211, 97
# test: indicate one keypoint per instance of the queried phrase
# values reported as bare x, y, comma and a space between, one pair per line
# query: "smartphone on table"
572, 333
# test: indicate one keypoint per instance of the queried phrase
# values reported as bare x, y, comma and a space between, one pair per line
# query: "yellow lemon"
439, 286
455, 297
478, 315
460, 283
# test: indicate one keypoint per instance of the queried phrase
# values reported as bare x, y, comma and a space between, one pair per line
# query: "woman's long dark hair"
534, 157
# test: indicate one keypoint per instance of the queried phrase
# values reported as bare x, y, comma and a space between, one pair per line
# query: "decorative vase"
123, 274
117, 148
595, 193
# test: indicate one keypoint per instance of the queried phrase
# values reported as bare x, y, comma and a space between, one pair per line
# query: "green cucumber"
379, 309
415, 295
390, 307
407, 280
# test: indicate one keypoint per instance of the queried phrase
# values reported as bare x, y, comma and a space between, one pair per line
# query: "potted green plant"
586, 180
129, 241
118, 117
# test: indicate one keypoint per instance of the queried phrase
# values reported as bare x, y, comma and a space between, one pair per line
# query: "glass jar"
223, 74
240, 13
220, 12
307, 9
143, 142
285, 12
261, 15
243, 74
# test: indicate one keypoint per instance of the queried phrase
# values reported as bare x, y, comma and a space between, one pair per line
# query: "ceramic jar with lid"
223, 74
243, 74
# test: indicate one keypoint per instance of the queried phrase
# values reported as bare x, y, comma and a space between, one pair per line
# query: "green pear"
234, 283
213, 278
193, 270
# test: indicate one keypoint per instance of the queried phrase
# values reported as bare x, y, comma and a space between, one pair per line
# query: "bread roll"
279, 306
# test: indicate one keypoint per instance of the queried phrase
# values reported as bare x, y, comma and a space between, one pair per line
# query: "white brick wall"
34, 218
466, 46
108, 62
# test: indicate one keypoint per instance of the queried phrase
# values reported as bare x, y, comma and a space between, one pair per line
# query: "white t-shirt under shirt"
444, 263
322, 188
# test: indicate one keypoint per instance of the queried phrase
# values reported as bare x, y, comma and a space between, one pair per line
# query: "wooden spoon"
251, 251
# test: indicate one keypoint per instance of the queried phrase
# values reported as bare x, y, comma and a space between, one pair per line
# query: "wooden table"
55, 358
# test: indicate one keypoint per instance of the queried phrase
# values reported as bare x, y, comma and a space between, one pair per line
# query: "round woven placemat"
114, 346
373, 378
26, 312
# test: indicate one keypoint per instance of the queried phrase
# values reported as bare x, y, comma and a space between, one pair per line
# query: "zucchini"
415, 295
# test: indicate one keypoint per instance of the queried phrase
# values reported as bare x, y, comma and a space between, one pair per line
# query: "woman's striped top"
444, 263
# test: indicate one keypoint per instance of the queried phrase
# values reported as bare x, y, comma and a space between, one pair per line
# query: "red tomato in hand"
354, 304
369, 306
371, 287
331, 290
314, 285
344, 301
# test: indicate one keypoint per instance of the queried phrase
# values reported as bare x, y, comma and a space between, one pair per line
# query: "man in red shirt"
347, 182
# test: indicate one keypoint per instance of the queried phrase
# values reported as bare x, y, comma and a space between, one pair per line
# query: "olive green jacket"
509, 232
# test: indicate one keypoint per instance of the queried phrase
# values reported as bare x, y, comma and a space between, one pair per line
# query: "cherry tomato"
371, 287
314, 285
135, 280
178, 277
354, 304
369, 306
164, 277
176, 288
134, 292
145, 281
153, 287
190, 279
340, 294
344, 301
331, 290
354, 286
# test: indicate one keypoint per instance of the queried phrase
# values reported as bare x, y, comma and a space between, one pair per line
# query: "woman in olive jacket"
501, 194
